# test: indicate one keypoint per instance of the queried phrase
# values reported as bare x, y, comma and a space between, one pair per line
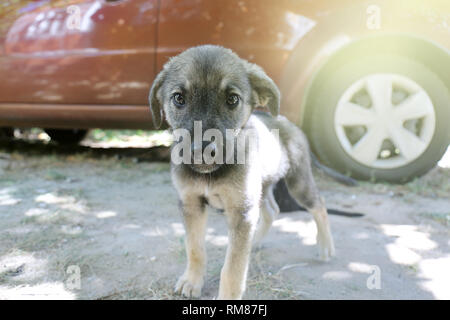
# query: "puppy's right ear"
155, 100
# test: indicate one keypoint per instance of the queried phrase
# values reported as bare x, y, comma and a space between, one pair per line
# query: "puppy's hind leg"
195, 217
301, 186
269, 212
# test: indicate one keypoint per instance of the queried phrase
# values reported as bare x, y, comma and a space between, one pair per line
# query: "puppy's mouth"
205, 168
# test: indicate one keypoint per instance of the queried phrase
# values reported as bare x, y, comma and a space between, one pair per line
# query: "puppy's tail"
344, 213
339, 177
287, 204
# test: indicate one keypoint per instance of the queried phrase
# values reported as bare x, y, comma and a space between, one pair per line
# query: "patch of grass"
440, 217
266, 284
158, 167
177, 247
414, 268
434, 184
100, 135
54, 175
160, 290
77, 193
6, 180
46, 239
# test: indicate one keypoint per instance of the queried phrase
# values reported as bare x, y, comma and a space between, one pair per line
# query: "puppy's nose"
199, 155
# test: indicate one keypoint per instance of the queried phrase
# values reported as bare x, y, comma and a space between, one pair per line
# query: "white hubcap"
385, 120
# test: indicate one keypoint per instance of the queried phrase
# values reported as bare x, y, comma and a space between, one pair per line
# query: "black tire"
322, 133
6, 133
66, 136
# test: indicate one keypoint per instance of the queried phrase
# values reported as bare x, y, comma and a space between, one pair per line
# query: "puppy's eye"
232, 100
178, 100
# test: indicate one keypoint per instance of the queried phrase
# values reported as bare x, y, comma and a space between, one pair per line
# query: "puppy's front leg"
194, 215
241, 227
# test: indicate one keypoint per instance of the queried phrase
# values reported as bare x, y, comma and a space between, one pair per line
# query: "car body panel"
113, 58
109, 59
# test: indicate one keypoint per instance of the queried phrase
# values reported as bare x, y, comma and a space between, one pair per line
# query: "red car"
368, 81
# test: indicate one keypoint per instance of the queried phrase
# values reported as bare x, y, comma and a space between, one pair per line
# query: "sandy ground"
116, 221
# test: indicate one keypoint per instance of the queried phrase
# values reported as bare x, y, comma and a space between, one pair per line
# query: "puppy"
210, 88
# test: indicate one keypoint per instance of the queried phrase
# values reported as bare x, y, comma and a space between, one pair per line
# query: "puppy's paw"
326, 247
189, 286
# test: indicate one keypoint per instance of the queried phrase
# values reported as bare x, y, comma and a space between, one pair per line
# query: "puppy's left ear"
265, 91
155, 100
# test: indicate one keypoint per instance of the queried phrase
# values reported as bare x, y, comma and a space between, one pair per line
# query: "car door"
77, 51
258, 30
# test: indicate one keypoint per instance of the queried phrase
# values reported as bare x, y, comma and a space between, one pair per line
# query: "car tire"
6, 133
66, 136
337, 137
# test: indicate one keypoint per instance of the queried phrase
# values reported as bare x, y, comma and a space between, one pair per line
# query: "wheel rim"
384, 120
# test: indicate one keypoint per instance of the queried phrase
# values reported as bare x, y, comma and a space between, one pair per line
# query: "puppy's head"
212, 85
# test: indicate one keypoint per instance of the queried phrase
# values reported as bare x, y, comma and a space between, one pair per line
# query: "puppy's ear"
155, 99
265, 91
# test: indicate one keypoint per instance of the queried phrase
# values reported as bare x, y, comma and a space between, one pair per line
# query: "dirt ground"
116, 221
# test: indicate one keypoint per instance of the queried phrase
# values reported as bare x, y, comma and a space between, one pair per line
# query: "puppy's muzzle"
205, 157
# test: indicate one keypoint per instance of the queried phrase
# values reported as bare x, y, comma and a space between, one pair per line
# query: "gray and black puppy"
212, 85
